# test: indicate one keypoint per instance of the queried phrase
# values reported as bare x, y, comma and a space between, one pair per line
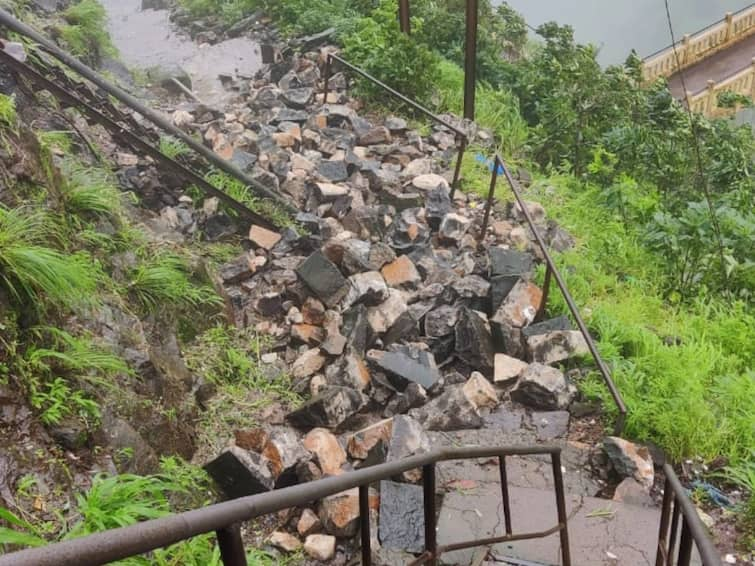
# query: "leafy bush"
85, 34
36, 274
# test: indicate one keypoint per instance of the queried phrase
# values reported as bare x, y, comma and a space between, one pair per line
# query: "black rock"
298, 97
500, 287
405, 328
402, 520
547, 326
236, 271
328, 409
290, 115
452, 410
243, 160
437, 205
441, 321
219, 226
508, 262
333, 171
240, 472
474, 342
407, 363
357, 330
324, 278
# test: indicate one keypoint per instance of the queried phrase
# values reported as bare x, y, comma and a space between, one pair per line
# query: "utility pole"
470, 60
403, 16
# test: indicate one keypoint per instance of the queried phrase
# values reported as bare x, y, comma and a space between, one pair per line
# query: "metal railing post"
404, 17
491, 195
505, 494
428, 490
364, 521
558, 484
327, 79
660, 555
470, 60
231, 546
459, 161
546, 291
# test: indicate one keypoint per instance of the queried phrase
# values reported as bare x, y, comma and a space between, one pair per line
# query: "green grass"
33, 272
7, 111
162, 282
85, 32
89, 193
172, 147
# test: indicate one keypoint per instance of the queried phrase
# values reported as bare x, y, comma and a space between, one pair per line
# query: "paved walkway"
717, 67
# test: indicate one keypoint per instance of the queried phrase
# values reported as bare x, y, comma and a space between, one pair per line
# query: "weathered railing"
462, 139
692, 48
224, 518
706, 101
551, 272
677, 506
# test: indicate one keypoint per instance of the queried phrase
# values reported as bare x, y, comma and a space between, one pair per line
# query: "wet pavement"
147, 39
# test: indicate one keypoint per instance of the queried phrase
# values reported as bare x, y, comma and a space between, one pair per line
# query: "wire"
703, 179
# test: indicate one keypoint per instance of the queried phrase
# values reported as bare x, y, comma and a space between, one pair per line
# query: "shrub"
85, 33
88, 193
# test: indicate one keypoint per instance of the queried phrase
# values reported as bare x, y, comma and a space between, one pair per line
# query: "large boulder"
543, 387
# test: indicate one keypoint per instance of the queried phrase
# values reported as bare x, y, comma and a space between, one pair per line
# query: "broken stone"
429, 182
379, 255
323, 277
313, 311
284, 541
474, 342
240, 472
308, 363
320, 547
375, 136
556, 346
543, 387
407, 439
407, 364
630, 460
437, 206
507, 369
335, 172
298, 97
307, 333
253, 439
364, 442
551, 325
236, 271
441, 321
471, 286
395, 124
382, 317
401, 272
368, 288
352, 372
632, 492
330, 455
480, 391
402, 521
309, 523
284, 452
509, 262
328, 192
328, 409
339, 513
520, 306
453, 227
452, 410
355, 256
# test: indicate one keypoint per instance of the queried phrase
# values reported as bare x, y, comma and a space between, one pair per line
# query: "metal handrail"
692, 528
551, 271
461, 136
224, 518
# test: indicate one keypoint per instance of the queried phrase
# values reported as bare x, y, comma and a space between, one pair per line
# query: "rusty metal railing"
677, 506
225, 518
462, 138
551, 272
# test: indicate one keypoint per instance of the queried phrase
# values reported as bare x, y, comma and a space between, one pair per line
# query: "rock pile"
388, 308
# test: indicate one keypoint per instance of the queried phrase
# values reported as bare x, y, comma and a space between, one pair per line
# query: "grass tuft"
85, 33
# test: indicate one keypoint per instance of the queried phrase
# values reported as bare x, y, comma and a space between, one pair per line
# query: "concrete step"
601, 532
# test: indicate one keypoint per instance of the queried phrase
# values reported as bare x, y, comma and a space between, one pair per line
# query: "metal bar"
403, 16
569, 302
132, 139
505, 494
364, 521
418, 107
558, 484
428, 491
708, 553
116, 544
663, 529
459, 161
132, 102
470, 60
495, 540
326, 85
231, 546
685, 545
489, 202
546, 291
674, 531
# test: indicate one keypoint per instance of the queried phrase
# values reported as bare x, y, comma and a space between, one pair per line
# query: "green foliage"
36, 274
7, 111
85, 33
172, 147
162, 282
728, 99
743, 476
88, 193
377, 45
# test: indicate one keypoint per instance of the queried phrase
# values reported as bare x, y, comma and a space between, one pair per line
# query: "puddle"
146, 38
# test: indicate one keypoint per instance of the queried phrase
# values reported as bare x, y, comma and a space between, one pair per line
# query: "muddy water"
147, 39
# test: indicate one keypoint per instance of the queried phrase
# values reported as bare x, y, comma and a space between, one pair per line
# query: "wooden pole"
470, 60
403, 16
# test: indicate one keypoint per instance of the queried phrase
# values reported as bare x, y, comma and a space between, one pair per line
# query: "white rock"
320, 547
